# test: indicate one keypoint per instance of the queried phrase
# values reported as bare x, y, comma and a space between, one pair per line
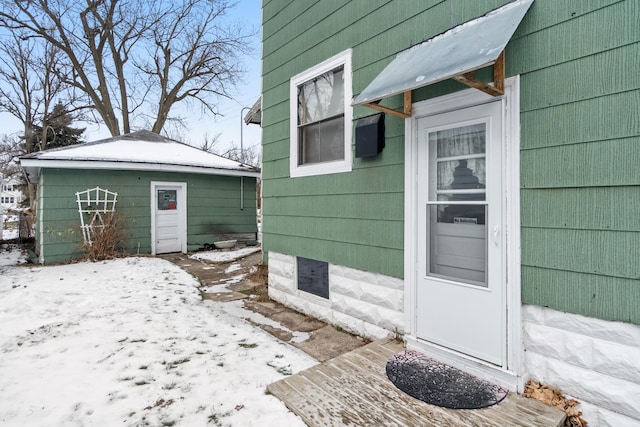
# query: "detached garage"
172, 197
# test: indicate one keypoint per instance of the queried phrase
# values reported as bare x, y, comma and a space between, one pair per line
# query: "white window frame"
342, 59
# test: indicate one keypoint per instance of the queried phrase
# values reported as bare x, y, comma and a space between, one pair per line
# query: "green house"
464, 174
170, 197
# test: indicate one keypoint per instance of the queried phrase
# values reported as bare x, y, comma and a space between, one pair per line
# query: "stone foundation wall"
594, 361
364, 303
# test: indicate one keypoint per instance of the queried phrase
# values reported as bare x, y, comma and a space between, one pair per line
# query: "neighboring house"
494, 227
172, 197
10, 194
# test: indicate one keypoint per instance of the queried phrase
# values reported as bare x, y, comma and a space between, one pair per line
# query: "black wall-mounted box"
370, 136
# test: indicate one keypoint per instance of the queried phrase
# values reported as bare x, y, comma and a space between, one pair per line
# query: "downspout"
38, 211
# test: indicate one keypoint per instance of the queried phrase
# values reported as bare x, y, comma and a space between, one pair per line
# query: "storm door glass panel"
167, 200
457, 207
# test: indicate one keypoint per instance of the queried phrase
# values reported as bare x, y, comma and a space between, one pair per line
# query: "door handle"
496, 235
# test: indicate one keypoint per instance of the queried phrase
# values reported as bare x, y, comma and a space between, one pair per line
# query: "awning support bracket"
497, 89
498, 79
404, 114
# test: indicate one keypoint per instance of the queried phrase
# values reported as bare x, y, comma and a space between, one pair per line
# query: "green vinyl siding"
213, 207
606, 297
356, 218
580, 142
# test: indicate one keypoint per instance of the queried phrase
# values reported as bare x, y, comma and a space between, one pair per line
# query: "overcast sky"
248, 12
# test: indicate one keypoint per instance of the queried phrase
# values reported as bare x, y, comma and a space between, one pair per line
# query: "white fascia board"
33, 166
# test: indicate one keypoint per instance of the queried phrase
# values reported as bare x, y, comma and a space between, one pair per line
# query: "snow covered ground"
9, 227
130, 342
221, 256
8, 233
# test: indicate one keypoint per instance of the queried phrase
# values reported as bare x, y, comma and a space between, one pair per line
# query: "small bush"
107, 241
261, 274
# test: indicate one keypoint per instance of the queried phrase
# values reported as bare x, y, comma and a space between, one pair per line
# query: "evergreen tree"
55, 130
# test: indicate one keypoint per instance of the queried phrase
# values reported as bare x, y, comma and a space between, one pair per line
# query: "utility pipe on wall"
242, 159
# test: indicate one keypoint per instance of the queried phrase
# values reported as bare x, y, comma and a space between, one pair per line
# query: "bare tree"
17, 93
32, 83
210, 145
137, 59
251, 155
248, 155
10, 150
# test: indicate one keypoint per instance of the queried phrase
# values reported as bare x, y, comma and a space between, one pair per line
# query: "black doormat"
439, 384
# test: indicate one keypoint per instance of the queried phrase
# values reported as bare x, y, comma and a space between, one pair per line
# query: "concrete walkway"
321, 341
350, 387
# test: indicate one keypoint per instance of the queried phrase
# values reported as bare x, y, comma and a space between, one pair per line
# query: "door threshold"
486, 371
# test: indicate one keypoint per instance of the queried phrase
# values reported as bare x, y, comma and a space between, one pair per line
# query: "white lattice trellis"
93, 204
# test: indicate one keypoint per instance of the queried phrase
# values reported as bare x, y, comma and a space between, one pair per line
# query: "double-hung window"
321, 118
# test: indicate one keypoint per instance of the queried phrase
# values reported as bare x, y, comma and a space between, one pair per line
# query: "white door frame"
510, 375
182, 212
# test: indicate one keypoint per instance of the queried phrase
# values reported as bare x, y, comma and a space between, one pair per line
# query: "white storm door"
169, 213
460, 289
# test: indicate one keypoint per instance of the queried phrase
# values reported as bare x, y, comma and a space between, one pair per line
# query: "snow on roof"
137, 150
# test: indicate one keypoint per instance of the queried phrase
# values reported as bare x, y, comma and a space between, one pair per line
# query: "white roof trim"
33, 167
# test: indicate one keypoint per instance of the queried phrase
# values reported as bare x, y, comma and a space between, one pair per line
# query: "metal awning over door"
454, 54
